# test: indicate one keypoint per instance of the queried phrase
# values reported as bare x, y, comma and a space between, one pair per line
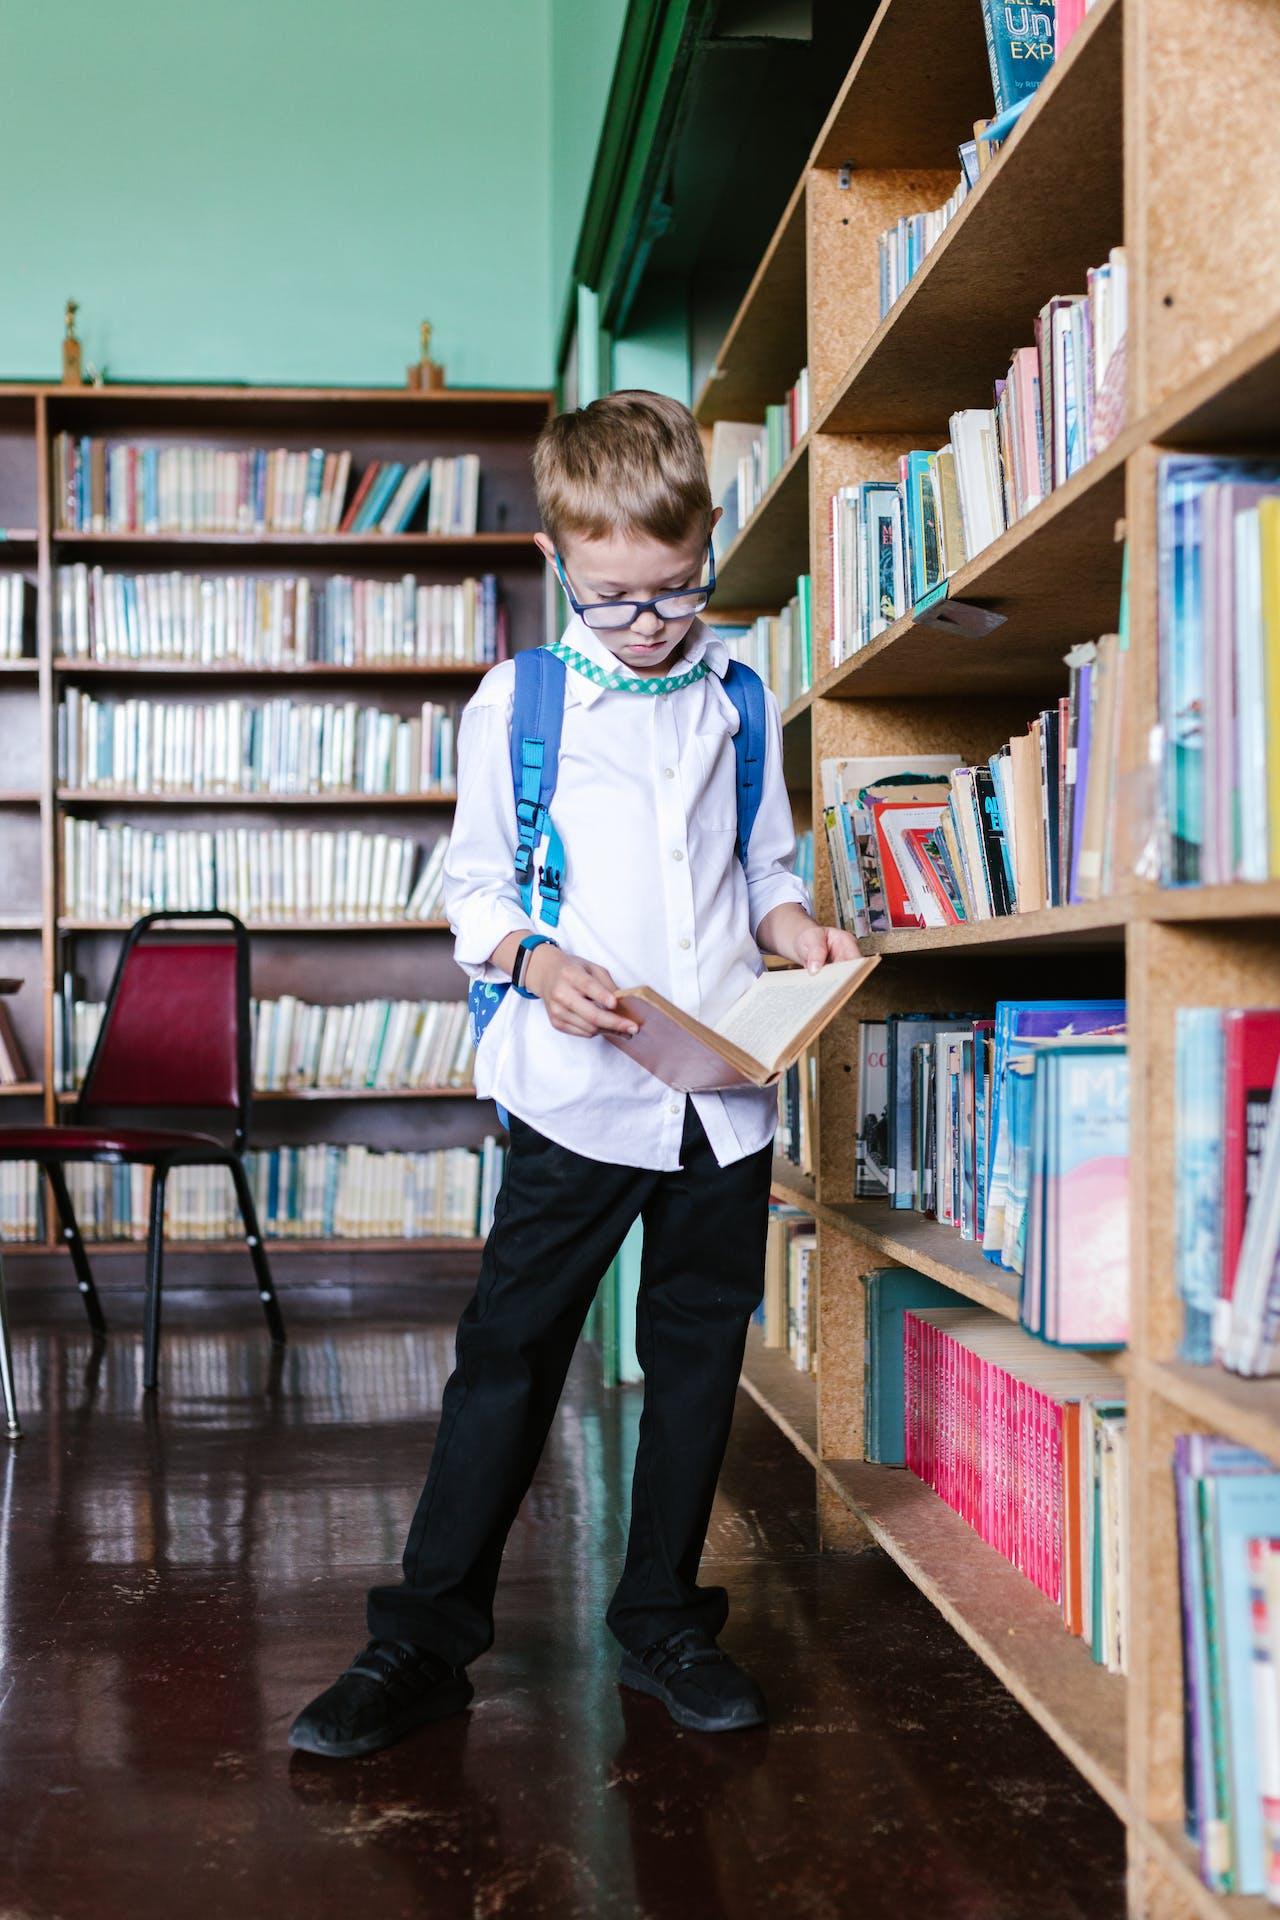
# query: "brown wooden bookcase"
1158, 132
312, 959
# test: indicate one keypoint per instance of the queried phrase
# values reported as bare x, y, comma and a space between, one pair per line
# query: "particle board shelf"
918, 83
17, 537
765, 346
1091, 923
242, 670
793, 1181
1010, 1626
1244, 1410
800, 707
25, 668
772, 549
789, 1397
1055, 575
1050, 207
913, 1240
18, 923
21, 1090
105, 797
1234, 404
1237, 900
74, 925
18, 797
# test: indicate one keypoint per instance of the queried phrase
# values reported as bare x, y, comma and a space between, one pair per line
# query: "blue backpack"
535, 754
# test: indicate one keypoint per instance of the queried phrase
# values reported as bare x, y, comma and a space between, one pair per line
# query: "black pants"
559, 1221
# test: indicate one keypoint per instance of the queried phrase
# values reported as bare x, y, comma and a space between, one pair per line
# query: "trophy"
425, 375
72, 372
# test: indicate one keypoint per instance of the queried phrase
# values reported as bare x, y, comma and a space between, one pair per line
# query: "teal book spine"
1019, 49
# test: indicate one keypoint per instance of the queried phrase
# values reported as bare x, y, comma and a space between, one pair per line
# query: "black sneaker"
387, 1690
696, 1681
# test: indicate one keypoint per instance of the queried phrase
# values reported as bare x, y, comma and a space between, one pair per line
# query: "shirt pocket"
715, 773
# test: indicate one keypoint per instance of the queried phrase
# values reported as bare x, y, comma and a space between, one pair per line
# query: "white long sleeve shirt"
646, 805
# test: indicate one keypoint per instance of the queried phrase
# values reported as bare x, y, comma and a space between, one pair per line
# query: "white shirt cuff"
775, 890
481, 926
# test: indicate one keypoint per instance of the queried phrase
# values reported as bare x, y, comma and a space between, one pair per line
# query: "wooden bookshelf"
1122, 143
298, 955
772, 549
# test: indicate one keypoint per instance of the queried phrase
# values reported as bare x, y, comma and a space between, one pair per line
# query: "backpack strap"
535, 758
746, 690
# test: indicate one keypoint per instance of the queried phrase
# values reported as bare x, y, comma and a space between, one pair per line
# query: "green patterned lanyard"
625, 682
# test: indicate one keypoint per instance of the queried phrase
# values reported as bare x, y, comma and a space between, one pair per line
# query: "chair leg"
11, 1423
258, 1253
155, 1261
75, 1246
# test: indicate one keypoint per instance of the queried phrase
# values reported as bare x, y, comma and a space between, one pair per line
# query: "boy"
645, 807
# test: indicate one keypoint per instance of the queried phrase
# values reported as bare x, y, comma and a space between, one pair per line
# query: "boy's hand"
816, 945
579, 996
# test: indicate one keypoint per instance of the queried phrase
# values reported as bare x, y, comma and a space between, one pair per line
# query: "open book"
750, 1045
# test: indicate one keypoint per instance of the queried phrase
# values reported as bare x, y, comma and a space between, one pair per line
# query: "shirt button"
685, 945
670, 772
674, 1107
677, 855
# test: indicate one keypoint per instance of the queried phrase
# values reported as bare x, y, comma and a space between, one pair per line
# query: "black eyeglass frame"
637, 607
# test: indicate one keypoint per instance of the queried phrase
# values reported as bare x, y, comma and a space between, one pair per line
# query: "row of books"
390, 493
281, 746
296, 1045
321, 1191
122, 486
13, 604
1227, 1161
746, 458
779, 645
1218, 531
797, 1111
1014, 1130
272, 621
904, 246
119, 872
1030, 1448
927, 841
788, 1311
1228, 1505
897, 540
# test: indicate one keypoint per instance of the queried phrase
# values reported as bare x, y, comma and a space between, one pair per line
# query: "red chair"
175, 1034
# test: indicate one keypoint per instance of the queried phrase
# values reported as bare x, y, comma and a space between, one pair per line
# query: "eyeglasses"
613, 614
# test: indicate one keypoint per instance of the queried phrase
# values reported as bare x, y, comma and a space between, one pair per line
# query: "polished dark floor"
176, 1582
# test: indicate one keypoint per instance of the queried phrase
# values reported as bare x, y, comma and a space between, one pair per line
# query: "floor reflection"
178, 1575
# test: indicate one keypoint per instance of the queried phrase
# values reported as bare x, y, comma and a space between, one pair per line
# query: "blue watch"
526, 947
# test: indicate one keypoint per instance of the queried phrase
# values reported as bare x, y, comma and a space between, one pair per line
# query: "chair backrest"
175, 1032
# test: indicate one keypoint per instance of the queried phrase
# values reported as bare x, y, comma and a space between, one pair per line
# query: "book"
871, 1166
770, 1025
1020, 49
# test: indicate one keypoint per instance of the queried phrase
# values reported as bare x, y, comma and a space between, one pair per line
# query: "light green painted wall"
584, 46
281, 189
654, 351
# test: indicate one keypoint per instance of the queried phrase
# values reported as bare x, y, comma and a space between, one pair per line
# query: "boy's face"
634, 566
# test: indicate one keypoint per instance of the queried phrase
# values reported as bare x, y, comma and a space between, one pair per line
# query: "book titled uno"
765, 1029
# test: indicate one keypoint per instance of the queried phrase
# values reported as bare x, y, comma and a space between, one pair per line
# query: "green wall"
281, 189
584, 46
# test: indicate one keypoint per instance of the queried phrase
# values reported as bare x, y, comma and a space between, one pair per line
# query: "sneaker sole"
631, 1674
441, 1706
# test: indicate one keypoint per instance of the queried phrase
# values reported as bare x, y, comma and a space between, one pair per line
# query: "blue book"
413, 501
1023, 1020
1242, 1506
378, 497
1199, 1068
889, 1292
1019, 49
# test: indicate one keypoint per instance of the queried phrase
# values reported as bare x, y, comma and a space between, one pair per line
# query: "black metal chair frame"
199, 1153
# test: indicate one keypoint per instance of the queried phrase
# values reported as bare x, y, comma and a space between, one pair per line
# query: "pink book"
909, 1390
1055, 1483
1025, 375
1067, 20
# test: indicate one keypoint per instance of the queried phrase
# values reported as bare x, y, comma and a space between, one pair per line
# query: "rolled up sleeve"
481, 897
771, 876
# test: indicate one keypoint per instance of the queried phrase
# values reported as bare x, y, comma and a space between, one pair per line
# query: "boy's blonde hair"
631, 462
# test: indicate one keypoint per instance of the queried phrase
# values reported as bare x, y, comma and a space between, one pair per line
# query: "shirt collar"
701, 642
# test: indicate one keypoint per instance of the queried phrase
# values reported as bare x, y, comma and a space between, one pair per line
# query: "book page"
771, 1015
